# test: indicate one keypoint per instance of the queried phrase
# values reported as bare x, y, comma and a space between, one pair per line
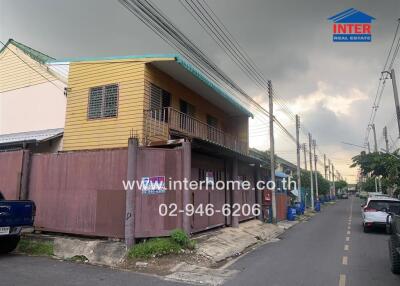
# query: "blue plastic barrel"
298, 209
303, 207
291, 213
317, 206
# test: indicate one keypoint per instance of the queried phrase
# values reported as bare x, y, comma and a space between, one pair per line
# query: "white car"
376, 209
376, 194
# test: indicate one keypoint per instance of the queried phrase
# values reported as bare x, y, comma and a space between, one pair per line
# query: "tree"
368, 185
340, 184
385, 165
323, 184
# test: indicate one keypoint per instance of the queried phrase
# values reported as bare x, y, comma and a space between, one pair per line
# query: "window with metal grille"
103, 101
212, 121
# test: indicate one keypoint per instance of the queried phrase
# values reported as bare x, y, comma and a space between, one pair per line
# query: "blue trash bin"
317, 206
299, 209
291, 213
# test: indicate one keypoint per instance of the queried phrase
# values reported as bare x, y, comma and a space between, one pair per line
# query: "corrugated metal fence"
10, 174
80, 192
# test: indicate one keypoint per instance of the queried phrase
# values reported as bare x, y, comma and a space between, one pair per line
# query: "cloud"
290, 41
325, 96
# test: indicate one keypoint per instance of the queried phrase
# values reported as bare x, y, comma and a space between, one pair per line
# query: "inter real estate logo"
351, 25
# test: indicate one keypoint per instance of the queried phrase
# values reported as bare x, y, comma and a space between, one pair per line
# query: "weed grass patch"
154, 247
35, 247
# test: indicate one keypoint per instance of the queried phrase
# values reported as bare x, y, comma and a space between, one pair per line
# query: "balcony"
167, 123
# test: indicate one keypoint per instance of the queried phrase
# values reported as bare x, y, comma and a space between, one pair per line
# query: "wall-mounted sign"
153, 185
209, 177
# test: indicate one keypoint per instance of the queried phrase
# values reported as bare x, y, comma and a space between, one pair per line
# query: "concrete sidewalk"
230, 242
221, 246
215, 246
95, 251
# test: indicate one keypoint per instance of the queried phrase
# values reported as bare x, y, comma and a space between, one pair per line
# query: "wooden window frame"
102, 117
163, 93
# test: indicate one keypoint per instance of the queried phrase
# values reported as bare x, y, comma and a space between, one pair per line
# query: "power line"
382, 80
153, 18
161, 25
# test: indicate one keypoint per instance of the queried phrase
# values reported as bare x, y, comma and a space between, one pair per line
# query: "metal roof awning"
37, 136
211, 148
281, 174
191, 77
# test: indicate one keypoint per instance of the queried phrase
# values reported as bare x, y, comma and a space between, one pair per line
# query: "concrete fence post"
235, 192
187, 171
25, 172
130, 193
258, 191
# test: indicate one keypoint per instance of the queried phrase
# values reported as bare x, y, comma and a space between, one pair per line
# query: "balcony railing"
161, 123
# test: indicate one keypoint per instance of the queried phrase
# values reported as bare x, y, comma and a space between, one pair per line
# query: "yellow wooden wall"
18, 70
133, 77
82, 133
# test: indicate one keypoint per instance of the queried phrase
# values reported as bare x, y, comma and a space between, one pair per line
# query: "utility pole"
375, 142
333, 180
298, 156
311, 171
380, 184
385, 135
329, 177
305, 155
376, 184
369, 148
396, 96
325, 166
315, 170
329, 169
272, 148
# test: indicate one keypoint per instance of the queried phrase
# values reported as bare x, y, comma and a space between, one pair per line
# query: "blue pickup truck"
14, 216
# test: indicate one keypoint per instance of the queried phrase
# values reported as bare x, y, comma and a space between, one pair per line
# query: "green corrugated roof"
34, 54
112, 58
180, 60
43, 58
193, 70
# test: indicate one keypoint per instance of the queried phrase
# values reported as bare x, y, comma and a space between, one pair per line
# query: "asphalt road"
17, 270
329, 250
316, 252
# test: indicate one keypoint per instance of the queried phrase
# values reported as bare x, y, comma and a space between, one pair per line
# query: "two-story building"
32, 100
159, 97
165, 102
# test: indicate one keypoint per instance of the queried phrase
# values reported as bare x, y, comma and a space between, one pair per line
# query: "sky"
330, 85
